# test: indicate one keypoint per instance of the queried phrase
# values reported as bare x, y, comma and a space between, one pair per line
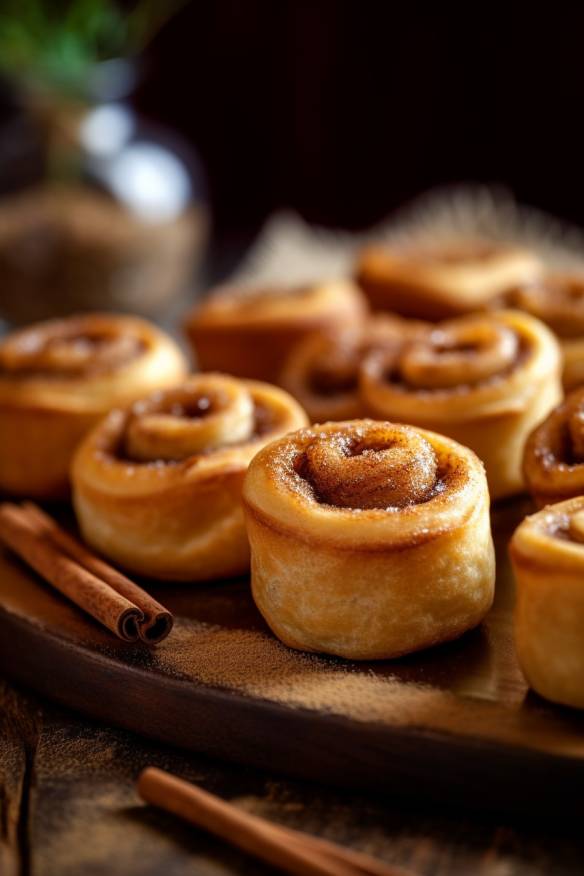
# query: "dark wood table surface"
68, 808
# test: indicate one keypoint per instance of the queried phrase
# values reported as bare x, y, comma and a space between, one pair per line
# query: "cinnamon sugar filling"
391, 372
558, 443
558, 302
265, 421
355, 472
32, 354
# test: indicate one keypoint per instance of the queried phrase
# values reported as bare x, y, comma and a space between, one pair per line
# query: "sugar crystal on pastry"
157, 486
369, 539
547, 552
553, 460
558, 300
485, 380
58, 378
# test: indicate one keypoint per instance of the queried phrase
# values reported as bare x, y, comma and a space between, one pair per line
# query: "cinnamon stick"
292, 851
130, 613
362, 862
157, 621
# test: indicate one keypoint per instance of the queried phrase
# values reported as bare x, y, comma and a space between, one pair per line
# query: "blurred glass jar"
99, 209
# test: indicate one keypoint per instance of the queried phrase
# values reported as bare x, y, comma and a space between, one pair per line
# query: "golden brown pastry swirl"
387, 468
157, 486
323, 371
71, 349
460, 353
558, 300
250, 331
197, 417
346, 519
484, 380
547, 551
58, 378
553, 462
442, 278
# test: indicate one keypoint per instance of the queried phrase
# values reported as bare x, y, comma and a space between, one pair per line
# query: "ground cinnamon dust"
255, 664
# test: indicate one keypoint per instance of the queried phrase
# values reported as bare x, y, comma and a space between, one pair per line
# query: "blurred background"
341, 110
346, 109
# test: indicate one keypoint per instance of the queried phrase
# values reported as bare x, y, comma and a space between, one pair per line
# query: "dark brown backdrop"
344, 109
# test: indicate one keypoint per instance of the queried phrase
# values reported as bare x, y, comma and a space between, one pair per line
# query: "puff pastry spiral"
249, 332
558, 300
58, 378
553, 462
369, 539
442, 279
547, 552
157, 487
324, 370
484, 380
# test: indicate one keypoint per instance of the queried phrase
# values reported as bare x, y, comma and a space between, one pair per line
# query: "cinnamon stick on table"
88, 581
292, 851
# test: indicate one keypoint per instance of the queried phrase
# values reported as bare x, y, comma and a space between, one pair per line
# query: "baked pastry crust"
547, 552
323, 370
442, 279
485, 380
369, 540
553, 460
58, 378
558, 300
157, 487
249, 332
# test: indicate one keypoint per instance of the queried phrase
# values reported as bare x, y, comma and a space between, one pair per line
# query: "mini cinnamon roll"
553, 461
58, 378
442, 279
157, 487
369, 540
249, 332
558, 300
484, 380
547, 552
323, 370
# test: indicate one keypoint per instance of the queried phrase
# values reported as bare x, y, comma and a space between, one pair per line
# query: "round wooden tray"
438, 722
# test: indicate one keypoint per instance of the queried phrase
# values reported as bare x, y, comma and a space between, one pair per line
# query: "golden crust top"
480, 365
552, 538
81, 361
323, 370
558, 300
251, 306
470, 270
365, 484
209, 425
553, 462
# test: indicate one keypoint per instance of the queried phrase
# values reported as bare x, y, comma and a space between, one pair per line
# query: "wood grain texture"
84, 818
19, 728
436, 723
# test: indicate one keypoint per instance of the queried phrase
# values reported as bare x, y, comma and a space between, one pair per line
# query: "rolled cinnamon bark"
289, 850
81, 586
156, 621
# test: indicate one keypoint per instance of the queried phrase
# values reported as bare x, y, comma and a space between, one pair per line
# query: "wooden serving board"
455, 721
